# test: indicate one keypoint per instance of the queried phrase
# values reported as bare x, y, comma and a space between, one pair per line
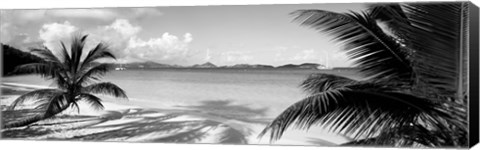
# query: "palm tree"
75, 79
413, 93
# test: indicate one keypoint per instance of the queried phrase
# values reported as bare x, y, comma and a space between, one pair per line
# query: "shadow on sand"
150, 125
226, 110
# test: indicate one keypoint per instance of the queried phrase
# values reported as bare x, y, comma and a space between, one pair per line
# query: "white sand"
126, 122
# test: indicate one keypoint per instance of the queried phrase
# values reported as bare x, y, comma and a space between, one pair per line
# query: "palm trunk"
24, 122
31, 120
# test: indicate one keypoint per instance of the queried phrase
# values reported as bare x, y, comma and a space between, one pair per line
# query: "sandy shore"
127, 122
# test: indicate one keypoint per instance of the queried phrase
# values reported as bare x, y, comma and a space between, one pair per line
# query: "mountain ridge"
155, 65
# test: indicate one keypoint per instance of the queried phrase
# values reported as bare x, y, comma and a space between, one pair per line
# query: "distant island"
205, 65
15, 57
154, 65
303, 66
248, 66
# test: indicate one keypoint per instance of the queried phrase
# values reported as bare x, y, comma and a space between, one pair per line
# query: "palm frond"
75, 104
45, 69
435, 36
100, 51
411, 135
48, 70
320, 82
46, 54
94, 101
404, 136
377, 54
66, 57
392, 13
78, 42
106, 88
55, 104
394, 17
93, 73
359, 113
34, 95
62, 80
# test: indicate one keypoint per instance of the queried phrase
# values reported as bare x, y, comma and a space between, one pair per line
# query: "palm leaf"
75, 104
94, 101
320, 82
55, 104
34, 95
106, 88
78, 42
410, 135
392, 13
45, 69
93, 73
61, 80
394, 17
46, 54
100, 51
359, 113
377, 54
435, 35
66, 57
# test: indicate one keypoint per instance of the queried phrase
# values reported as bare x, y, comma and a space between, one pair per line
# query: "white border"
38, 145
32, 4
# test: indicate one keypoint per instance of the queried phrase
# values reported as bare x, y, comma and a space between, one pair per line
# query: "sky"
183, 35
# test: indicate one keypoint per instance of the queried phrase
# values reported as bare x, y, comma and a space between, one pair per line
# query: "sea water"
264, 91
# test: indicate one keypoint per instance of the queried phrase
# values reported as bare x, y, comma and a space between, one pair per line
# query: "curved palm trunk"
24, 122
32, 120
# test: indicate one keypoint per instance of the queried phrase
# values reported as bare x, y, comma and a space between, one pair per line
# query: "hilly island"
209, 65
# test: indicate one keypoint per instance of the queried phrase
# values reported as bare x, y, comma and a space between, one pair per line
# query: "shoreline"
122, 122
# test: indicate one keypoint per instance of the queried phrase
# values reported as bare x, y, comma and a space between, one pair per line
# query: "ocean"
265, 92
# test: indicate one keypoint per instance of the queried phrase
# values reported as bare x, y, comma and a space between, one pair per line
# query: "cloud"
20, 40
308, 54
235, 56
93, 15
330, 57
165, 48
105, 14
144, 12
102, 14
188, 37
124, 27
296, 54
4, 32
21, 18
26, 15
123, 39
208, 56
53, 33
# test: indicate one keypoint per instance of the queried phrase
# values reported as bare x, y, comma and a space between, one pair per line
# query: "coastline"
122, 122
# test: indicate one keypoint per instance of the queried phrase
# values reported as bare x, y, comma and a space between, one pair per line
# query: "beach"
207, 121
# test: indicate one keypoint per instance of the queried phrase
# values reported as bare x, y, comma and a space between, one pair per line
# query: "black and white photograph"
368, 74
